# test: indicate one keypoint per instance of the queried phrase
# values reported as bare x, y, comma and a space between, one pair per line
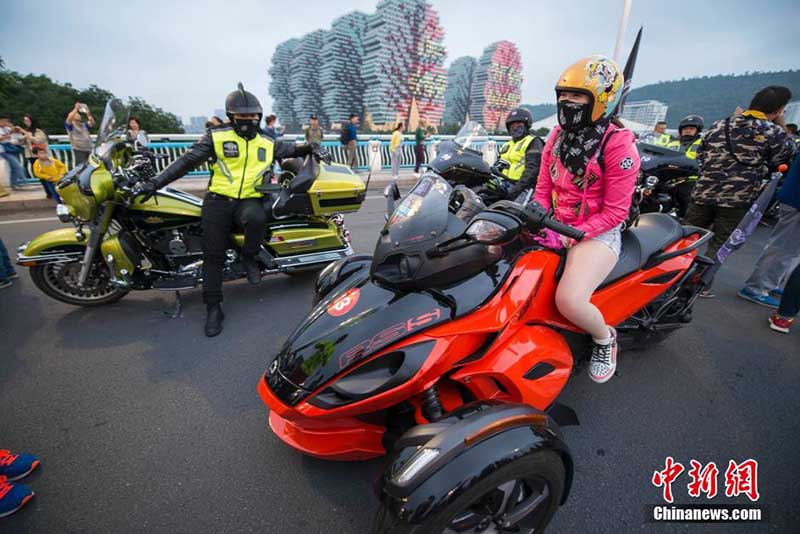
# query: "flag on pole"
745, 227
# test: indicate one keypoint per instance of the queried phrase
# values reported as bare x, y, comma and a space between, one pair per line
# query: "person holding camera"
78, 123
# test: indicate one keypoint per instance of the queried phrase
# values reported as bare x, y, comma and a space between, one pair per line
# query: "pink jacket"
605, 199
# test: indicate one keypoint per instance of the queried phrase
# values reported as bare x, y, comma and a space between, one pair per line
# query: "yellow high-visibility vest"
241, 163
514, 153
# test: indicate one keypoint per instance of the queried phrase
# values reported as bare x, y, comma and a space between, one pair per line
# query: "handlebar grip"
564, 229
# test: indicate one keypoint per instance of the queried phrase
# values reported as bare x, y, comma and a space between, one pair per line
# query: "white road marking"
22, 221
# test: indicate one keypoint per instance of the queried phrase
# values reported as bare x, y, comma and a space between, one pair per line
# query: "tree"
50, 102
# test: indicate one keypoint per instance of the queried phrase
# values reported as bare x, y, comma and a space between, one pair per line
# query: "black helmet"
240, 101
519, 115
691, 120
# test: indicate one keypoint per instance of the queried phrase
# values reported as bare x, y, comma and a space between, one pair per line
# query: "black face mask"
518, 131
246, 128
686, 139
573, 116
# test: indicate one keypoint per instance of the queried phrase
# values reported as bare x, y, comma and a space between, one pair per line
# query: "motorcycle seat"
654, 233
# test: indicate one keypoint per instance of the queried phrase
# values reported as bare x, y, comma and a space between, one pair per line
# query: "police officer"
520, 157
688, 142
659, 135
239, 155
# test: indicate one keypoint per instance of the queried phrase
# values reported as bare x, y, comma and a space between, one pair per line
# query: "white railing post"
375, 157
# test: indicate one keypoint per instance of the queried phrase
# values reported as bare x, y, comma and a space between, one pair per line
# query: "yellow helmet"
597, 76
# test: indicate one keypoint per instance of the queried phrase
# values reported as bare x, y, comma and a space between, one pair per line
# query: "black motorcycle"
662, 171
460, 162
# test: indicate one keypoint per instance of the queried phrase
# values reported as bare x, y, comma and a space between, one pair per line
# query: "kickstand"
178, 310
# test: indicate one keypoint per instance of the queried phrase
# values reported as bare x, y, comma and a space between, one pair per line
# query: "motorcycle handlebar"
563, 229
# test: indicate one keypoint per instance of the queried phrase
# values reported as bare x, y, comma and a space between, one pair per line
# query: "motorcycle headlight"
64, 213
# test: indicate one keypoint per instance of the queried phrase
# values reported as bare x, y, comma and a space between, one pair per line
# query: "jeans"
14, 166
50, 189
780, 256
219, 215
790, 302
723, 220
6, 268
396, 156
419, 153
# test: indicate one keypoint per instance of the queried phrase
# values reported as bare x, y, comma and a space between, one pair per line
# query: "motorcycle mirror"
492, 228
392, 194
651, 181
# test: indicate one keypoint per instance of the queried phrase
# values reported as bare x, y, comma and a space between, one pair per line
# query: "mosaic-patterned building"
497, 84
280, 74
404, 63
340, 72
304, 79
459, 89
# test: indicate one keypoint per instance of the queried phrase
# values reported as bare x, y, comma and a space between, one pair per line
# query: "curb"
10, 205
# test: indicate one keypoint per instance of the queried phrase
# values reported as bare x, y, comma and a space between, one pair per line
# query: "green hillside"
540, 111
713, 97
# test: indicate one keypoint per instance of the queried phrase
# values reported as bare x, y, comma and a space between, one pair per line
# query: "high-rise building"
403, 63
280, 73
197, 124
497, 84
459, 88
340, 72
304, 78
647, 112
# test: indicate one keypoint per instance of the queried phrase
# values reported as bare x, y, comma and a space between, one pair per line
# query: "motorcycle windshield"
112, 127
423, 213
470, 135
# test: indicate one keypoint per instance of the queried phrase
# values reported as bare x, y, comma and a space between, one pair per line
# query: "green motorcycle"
119, 244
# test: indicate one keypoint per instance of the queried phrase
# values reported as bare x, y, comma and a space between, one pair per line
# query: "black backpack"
343, 139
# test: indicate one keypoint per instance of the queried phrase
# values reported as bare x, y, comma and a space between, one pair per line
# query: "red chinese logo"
666, 477
742, 479
344, 304
704, 479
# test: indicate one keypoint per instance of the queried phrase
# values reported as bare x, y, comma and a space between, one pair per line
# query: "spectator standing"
34, 138
7, 272
396, 149
789, 305
78, 123
269, 128
314, 133
734, 156
11, 146
49, 171
419, 147
350, 140
782, 252
135, 130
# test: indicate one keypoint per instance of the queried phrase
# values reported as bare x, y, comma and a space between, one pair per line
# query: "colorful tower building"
496, 88
340, 71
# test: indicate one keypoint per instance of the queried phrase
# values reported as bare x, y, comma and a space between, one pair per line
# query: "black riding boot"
253, 270
214, 318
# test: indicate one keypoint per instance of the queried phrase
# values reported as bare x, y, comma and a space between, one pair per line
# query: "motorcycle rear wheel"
537, 481
60, 281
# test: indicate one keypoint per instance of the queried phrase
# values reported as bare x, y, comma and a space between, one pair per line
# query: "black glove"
320, 153
146, 189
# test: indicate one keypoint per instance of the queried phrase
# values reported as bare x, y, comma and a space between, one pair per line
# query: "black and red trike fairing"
445, 349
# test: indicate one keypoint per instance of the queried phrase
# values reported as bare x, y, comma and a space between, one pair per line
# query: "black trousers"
790, 302
220, 215
683, 196
419, 153
722, 221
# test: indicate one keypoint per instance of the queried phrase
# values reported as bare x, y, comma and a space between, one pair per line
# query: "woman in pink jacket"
587, 176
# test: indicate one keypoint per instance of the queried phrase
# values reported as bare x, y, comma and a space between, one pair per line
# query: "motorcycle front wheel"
526, 492
60, 281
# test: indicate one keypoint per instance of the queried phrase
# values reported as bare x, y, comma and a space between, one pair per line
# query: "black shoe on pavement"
214, 318
253, 270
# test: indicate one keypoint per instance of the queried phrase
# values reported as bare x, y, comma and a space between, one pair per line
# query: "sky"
185, 56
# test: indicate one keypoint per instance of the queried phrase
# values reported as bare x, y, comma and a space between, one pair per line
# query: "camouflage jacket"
733, 180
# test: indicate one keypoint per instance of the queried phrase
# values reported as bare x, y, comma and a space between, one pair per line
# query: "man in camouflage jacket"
735, 155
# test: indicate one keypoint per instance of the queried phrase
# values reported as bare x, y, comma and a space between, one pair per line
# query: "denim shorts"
612, 239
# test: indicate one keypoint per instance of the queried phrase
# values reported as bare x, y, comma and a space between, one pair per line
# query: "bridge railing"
372, 150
